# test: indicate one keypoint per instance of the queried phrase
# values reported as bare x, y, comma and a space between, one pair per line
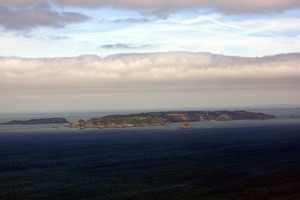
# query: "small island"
166, 118
186, 126
37, 121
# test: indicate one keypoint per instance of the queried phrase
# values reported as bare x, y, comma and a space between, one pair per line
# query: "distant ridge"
37, 121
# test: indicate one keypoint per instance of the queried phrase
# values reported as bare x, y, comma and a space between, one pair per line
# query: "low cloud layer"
155, 71
141, 81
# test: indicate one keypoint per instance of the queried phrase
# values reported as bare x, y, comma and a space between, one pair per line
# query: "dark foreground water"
152, 163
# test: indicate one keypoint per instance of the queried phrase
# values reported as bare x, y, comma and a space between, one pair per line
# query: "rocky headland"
166, 118
37, 121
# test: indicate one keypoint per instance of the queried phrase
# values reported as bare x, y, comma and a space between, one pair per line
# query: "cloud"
130, 20
57, 37
31, 14
26, 19
154, 71
160, 14
235, 6
123, 46
142, 81
227, 6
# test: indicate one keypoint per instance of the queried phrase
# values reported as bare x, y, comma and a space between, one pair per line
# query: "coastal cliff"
166, 118
37, 121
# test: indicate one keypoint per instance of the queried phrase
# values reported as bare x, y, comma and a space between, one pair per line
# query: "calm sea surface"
248, 159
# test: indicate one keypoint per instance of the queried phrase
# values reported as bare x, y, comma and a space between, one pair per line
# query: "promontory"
166, 118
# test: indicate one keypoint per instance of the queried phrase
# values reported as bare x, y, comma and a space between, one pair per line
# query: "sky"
71, 55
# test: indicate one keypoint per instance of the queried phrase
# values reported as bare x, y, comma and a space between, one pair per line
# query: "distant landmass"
166, 118
295, 116
37, 121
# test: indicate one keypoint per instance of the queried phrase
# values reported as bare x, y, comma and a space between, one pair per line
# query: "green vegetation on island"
166, 118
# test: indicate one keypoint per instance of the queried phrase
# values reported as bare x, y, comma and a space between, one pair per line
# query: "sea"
215, 160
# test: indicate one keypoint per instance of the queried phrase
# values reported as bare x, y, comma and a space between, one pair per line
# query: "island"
186, 126
295, 116
166, 118
37, 121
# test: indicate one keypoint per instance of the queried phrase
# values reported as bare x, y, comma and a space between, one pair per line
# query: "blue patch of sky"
290, 33
109, 13
102, 20
100, 29
295, 13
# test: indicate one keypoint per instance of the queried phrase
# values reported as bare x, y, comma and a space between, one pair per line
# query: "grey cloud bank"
234, 6
26, 19
152, 79
164, 69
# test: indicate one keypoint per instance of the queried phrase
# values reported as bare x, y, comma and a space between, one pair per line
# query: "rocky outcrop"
186, 126
38, 121
165, 118
223, 117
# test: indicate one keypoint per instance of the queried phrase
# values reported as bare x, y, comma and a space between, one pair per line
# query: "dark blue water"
217, 163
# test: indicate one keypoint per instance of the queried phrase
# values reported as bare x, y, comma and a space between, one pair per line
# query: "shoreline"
61, 129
